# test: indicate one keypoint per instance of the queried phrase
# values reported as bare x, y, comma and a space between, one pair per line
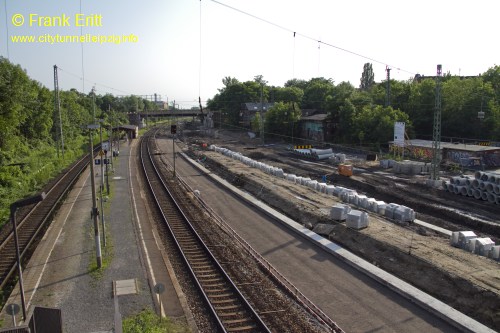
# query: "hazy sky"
410, 37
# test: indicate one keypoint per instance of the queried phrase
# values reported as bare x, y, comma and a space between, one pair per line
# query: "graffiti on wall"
419, 153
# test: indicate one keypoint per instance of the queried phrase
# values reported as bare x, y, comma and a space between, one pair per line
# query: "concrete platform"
59, 273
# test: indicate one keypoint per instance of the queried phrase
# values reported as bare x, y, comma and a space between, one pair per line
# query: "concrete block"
357, 219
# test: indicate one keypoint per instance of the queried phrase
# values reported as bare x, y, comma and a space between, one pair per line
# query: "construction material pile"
395, 212
469, 241
483, 186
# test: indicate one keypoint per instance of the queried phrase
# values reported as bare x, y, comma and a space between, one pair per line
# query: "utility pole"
93, 105
436, 132
95, 211
388, 87
101, 153
57, 106
111, 139
261, 111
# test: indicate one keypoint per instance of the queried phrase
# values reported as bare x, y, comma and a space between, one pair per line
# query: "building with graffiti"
466, 155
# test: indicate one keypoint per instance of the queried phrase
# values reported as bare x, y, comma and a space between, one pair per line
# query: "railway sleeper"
221, 295
241, 328
232, 314
231, 300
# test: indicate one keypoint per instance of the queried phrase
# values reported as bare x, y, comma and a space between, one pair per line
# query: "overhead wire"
311, 38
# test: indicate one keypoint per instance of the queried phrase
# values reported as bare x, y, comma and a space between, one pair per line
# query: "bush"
148, 322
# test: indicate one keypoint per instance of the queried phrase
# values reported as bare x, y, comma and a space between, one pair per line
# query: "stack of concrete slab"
357, 219
339, 212
483, 246
403, 214
411, 167
469, 241
392, 211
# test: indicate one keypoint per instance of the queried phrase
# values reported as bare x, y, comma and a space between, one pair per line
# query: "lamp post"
101, 153
13, 209
95, 211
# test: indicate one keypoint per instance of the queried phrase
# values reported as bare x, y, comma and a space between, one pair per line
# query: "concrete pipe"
476, 194
477, 174
444, 184
457, 189
484, 195
463, 190
491, 197
496, 189
460, 181
484, 177
468, 181
475, 183
470, 192
490, 187
497, 201
323, 156
451, 188
322, 151
482, 186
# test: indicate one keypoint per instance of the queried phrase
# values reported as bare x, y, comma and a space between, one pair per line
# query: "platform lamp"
13, 209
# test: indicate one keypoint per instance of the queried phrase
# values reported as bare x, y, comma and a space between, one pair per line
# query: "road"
356, 302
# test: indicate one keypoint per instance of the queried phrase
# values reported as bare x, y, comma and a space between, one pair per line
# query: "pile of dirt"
468, 283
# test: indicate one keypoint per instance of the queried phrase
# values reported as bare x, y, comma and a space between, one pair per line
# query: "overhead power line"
295, 33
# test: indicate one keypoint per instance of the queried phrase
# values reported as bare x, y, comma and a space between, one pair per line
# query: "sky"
182, 49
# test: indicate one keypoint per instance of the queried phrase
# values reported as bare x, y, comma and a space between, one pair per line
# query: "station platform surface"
60, 273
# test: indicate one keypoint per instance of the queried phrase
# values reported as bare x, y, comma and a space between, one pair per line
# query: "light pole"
13, 209
95, 211
101, 153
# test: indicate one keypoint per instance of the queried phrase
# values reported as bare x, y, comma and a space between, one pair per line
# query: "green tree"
316, 92
377, 124
282, 118
367, 77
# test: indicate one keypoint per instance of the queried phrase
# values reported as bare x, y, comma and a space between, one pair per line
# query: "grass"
149, 322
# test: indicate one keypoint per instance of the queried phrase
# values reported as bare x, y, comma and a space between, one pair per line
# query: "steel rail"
233, 312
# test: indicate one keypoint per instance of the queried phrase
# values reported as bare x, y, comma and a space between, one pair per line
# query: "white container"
321, 187
464, 237
370, 204
379, 207
312, 184
330, 189
471, 245
483, 246
454, 239
389, 210
339, 212
495, 253
357, 219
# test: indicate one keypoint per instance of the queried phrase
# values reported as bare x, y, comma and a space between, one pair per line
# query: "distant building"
161, 105
315, 126
249, 110
455, 152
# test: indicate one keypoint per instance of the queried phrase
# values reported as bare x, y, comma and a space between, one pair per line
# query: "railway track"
33, 220
231, 311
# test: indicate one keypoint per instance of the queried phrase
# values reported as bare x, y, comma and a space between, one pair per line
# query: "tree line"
30, 144
362, 114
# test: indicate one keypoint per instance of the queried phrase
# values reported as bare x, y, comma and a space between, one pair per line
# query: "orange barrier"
345, 170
